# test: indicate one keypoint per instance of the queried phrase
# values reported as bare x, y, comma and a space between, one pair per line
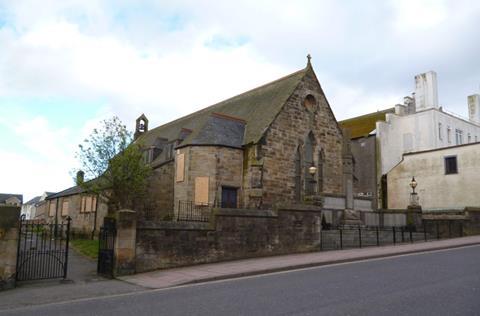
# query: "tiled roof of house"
257, 108
34, 200
363, 125
5, 196
70, 191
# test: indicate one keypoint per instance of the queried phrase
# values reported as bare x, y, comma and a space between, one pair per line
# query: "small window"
440, 136
451, 165
469, 138
65, 208
52, 207
201, 191
310, 103
458, 136
449, 134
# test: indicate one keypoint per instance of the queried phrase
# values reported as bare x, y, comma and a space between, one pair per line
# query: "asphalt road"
435, 283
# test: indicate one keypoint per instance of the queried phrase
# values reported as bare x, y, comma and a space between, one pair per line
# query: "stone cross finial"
308, 58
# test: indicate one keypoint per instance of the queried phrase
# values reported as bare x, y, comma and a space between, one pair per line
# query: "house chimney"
474, 108
80, 177
426, 91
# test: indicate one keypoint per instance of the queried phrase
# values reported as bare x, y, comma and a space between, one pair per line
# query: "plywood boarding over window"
82, 205
65, 207
180, 167
201, 190
52, 208
88, 204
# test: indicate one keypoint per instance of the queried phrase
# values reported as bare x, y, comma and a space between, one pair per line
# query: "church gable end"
304, 134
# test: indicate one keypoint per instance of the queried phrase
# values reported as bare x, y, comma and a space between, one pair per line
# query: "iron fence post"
378, 240
402, 232
461, 229
65, 267
359, 236
341, 238
438, 230
394, 235
449, 229
410, 233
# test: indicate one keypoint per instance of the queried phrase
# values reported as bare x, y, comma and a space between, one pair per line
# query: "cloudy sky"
66, 64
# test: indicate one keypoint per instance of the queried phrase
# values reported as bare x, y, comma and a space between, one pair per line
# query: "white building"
421, 124
447, 178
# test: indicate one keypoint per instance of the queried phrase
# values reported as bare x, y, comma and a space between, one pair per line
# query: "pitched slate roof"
5, 196
363, 125
34, 200
70, 191
257, 108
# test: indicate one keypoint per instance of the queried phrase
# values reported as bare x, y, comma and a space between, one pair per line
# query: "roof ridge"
208, 108
368, 114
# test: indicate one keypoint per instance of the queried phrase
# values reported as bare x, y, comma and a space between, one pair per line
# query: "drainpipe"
56, 217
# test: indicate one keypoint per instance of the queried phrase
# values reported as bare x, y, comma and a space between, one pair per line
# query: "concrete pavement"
225, 270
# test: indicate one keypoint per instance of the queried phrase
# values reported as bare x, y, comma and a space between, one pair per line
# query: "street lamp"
413, 195
312, 170
413, 185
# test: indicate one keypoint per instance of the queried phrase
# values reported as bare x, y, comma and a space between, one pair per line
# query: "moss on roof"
363, 125
258, 107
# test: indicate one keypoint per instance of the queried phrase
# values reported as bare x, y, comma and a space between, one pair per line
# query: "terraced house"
276, 145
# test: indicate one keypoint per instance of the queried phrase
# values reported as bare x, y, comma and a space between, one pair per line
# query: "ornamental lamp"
413, 184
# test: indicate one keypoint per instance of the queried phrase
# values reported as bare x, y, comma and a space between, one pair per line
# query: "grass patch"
86, 247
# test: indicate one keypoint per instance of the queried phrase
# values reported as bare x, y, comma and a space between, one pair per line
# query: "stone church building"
276, 145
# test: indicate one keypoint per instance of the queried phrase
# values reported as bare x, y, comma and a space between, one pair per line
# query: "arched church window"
298, 175
321, 163
310, 103
309, 178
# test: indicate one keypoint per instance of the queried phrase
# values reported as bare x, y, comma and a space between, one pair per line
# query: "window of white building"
440, 136
458, 137
451, 165
469, 138
449, 134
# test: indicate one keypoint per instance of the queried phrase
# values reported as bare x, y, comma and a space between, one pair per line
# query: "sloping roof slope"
363, 125
5, 196
34, 200
70, 191
257, 107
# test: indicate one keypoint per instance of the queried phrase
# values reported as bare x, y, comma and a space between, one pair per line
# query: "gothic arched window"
309, 179
298, 175
321, 163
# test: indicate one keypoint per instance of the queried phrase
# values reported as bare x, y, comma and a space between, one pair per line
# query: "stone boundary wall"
230, 234
9, 217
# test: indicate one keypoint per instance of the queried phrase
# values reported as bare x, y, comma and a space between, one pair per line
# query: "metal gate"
106, 248
42, 250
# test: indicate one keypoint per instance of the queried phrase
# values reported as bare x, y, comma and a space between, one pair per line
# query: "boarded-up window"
52, 208
94, 204
180, 167
65, 206
201, 190
82, 205
88, 206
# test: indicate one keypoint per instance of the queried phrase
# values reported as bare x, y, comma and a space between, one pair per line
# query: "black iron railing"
344, 237
188, 211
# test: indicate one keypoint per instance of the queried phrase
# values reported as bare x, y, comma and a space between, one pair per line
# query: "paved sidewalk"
225, 270
82, 282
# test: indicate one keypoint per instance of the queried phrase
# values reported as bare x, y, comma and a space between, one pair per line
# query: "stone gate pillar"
9, 225
125, 243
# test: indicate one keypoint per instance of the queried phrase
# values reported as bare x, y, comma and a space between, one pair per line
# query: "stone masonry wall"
270, 166
222, 165
233, 234
9, 217
160, 203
